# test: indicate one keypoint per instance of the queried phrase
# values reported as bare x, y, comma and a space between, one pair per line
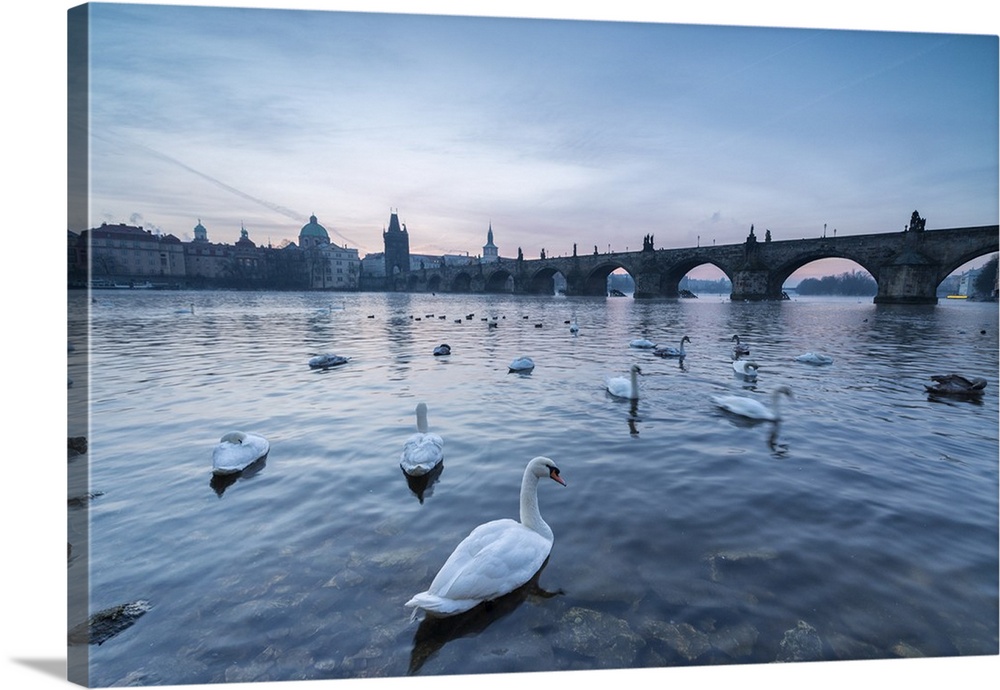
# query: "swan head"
736, 339
635, 369
685, 339
785, 390
235, 437
544, 467
754, 366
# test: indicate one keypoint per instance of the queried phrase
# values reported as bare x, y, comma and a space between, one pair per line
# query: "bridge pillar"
647, 284
754, 285
913, 282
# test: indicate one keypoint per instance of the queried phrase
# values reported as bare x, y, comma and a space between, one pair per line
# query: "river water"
864, 525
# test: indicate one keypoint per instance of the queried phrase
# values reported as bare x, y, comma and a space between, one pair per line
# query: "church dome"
313, 231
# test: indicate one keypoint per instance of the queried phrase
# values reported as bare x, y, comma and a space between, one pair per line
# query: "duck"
622, 387
667, 351
753, 409
956, 385
326, 361
814, 358
442, 349
740, 349
423, 451
237, 450
521, 364
495, 558
745, 368
642, 344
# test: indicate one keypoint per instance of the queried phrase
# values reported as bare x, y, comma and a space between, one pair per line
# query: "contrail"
287, 212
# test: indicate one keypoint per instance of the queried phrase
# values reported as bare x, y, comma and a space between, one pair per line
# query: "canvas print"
411, 345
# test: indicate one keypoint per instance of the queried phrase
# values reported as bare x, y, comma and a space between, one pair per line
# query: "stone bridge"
907, 266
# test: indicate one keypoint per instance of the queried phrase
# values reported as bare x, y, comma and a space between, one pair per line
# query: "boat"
958, 297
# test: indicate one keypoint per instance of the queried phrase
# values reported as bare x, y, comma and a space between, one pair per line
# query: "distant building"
330, 266
491, 253
125, 252
397, 247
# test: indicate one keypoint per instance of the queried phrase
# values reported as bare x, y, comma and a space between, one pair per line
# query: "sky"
552, 131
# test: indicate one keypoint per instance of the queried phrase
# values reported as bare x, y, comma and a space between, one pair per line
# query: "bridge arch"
462, 282
671, 278
500, 280
595, 281
783, 272
542, 280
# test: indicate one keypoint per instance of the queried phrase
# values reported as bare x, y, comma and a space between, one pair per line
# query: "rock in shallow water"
104, 625
603, 637
801, 643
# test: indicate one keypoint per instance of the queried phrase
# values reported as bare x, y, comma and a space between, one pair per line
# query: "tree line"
852, 283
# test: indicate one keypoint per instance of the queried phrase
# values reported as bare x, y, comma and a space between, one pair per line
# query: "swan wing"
229, 457
421, 453
620, 387
745, 407
495, 559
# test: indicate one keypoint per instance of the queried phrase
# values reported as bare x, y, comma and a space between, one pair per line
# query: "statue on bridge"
916, 223
751, 245
647, 243
520, 254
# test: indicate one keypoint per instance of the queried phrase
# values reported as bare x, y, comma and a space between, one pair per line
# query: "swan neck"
634, 377
422, 419
775, 396
531, 516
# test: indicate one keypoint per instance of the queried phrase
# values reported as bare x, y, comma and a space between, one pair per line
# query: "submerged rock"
77, 445
104, 625
603, 637
801, 643
680, 639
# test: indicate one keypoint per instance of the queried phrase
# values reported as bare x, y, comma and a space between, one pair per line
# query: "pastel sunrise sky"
552, 128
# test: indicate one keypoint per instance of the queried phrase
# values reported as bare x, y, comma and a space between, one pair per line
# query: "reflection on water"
690, 537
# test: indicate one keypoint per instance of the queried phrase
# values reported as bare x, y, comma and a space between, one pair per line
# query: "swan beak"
554, 474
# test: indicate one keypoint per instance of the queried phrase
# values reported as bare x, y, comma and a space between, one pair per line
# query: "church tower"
490, 251
200, 233
397, 247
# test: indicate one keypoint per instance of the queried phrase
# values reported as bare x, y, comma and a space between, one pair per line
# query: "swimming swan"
442, 349
422, 451
642, 344
956, 385
745, 368
521, 364
739, 349
497, 557
750, 408
814, 358
622, 387
667, 351
237, 450
326, 361
574, 328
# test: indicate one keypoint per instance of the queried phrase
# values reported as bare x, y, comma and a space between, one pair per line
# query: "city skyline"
554, 132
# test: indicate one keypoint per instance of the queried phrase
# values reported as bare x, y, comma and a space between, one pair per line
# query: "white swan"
422, 451
753, 409
326, 361
497, 557
521, 364
740, 349
814, 358
442, 349
642, 344
622, 387
237, 450
745, 368
574, 328
667, 351
189, 310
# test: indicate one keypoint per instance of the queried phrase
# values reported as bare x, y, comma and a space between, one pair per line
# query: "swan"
423, 451
814, 358
666, 351
622, 387
326, 361
189, 310
442, 349
573, 327
237, 450
750, 408
957, 385
739, 348
642, 344
497, 557
521, 364
745, 368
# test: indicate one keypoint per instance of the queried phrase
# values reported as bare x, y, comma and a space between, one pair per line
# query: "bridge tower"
397, 247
